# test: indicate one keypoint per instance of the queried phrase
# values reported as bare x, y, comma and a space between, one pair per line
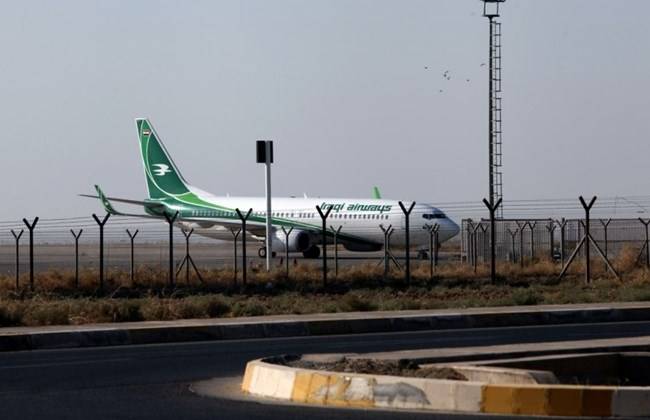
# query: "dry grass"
358, 288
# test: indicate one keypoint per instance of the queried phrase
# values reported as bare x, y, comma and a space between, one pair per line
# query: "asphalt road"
152, 382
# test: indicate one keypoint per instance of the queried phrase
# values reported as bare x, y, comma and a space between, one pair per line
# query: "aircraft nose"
452, 228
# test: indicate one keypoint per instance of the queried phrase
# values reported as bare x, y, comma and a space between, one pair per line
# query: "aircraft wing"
106, 203
254, 228
119, 200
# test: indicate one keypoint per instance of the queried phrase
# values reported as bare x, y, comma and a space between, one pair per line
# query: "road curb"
297, 385
14, 339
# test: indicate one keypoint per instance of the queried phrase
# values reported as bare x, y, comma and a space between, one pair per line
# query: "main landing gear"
311, 252
262, 252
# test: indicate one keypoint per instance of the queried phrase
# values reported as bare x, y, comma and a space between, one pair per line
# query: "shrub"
353, 303
250, 307
525, 297
217, 307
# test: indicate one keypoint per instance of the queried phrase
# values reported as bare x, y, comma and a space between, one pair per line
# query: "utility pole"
491, 11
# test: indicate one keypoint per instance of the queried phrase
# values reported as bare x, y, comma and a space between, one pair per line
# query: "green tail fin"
163, 177
375, 193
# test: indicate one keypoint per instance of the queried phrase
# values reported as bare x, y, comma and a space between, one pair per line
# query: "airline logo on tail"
161, 169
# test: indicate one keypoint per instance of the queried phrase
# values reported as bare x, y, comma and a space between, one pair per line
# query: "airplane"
216, 217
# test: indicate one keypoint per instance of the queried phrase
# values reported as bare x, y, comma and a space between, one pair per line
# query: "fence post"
336, 249
531, 226
243, 240
30, 227
551, 234
586, 239
170, 222
324, 217
562, 223
522, 228
513, 235
101, 224
605, 224
492, 208
475, 245
286, 248
17, 238
132, 239
235, 234
407, 216
646, 245
587, 208
187, 259
580, 225
433, 247
484, 241
387, 233
76, 256
468, 229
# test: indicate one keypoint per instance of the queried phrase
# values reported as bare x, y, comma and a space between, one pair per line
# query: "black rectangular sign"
261, 151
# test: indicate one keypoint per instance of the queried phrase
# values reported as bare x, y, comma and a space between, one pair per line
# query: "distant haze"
352, 93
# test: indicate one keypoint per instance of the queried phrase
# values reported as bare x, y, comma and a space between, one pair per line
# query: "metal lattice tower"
491, 11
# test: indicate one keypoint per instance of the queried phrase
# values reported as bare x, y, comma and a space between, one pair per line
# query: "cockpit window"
434, 215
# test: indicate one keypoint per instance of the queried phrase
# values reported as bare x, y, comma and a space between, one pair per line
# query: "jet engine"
299, 241
352, 246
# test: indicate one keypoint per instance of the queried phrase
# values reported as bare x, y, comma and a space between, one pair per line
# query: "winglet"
107, 204
375, 193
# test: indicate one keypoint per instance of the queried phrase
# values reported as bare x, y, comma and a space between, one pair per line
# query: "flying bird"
482, 64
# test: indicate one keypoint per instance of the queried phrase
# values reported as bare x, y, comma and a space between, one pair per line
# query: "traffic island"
504, 387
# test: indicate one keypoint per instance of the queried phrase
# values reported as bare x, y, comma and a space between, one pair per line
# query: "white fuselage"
361, 218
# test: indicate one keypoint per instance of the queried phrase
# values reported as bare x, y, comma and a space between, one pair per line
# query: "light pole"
265, 156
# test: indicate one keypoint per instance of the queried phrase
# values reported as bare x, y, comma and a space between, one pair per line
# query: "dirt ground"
380, 367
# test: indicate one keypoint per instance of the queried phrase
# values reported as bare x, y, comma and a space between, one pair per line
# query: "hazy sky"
340, 85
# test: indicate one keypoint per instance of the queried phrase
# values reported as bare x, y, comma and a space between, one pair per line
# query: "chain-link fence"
546, 238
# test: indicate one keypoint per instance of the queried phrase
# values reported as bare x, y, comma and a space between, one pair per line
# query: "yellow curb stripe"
300, 390
597, 402
328, 388
497, 399
529, 400
318, 388
564, 401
